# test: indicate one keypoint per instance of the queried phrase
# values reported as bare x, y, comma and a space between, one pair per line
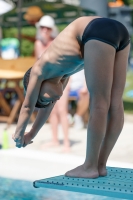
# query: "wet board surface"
118, 184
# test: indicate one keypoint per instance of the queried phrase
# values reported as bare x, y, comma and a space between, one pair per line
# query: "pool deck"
35, 162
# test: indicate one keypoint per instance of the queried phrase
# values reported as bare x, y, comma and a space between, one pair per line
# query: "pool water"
11, 189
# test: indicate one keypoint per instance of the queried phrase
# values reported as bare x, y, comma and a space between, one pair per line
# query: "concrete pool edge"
55, 157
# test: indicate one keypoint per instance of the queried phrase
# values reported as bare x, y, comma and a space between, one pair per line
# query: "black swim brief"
107, 30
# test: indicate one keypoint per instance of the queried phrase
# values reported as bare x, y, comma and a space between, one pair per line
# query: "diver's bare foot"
50, 144
83, 172
102, 170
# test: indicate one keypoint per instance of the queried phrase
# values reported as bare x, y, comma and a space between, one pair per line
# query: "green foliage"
29, 31
26, 46
128, 2
13, 32
128, 101
10, 33
128, 107
128, 86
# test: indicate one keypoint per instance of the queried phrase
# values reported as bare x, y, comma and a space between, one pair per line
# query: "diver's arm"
42, 116
28, 106
44, 113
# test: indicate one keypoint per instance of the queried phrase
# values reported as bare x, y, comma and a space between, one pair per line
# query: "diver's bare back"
64, 57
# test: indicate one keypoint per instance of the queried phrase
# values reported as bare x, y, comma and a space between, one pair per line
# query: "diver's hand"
27, 139
22, 141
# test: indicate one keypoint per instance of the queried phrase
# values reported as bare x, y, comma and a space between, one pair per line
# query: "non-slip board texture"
118, 184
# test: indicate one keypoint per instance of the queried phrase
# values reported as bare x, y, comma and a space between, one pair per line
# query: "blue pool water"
11, 189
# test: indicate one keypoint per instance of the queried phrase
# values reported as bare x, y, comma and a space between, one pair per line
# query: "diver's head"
50, 91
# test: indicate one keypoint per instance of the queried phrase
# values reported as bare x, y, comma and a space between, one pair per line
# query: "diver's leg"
116, 111
99, 63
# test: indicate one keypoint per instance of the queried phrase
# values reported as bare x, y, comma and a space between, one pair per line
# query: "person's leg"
83, 103
63, 115
54, 122
99, 63
116, 111
82, 107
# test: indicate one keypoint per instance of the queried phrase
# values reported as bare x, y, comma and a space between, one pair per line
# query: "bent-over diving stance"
101, 46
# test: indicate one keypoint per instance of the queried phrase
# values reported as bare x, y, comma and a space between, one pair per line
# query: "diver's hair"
26, 80
25, 84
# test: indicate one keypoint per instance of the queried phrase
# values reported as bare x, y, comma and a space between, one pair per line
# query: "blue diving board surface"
118, 184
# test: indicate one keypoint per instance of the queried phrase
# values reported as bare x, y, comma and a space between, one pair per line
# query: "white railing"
70, 2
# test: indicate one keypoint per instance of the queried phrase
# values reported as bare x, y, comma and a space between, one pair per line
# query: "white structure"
5, 6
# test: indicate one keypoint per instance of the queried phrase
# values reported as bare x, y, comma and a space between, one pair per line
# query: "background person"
78, 89
34, 16
46, 27
59, 116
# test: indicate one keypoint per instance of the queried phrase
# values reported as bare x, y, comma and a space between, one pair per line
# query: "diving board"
118, 184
